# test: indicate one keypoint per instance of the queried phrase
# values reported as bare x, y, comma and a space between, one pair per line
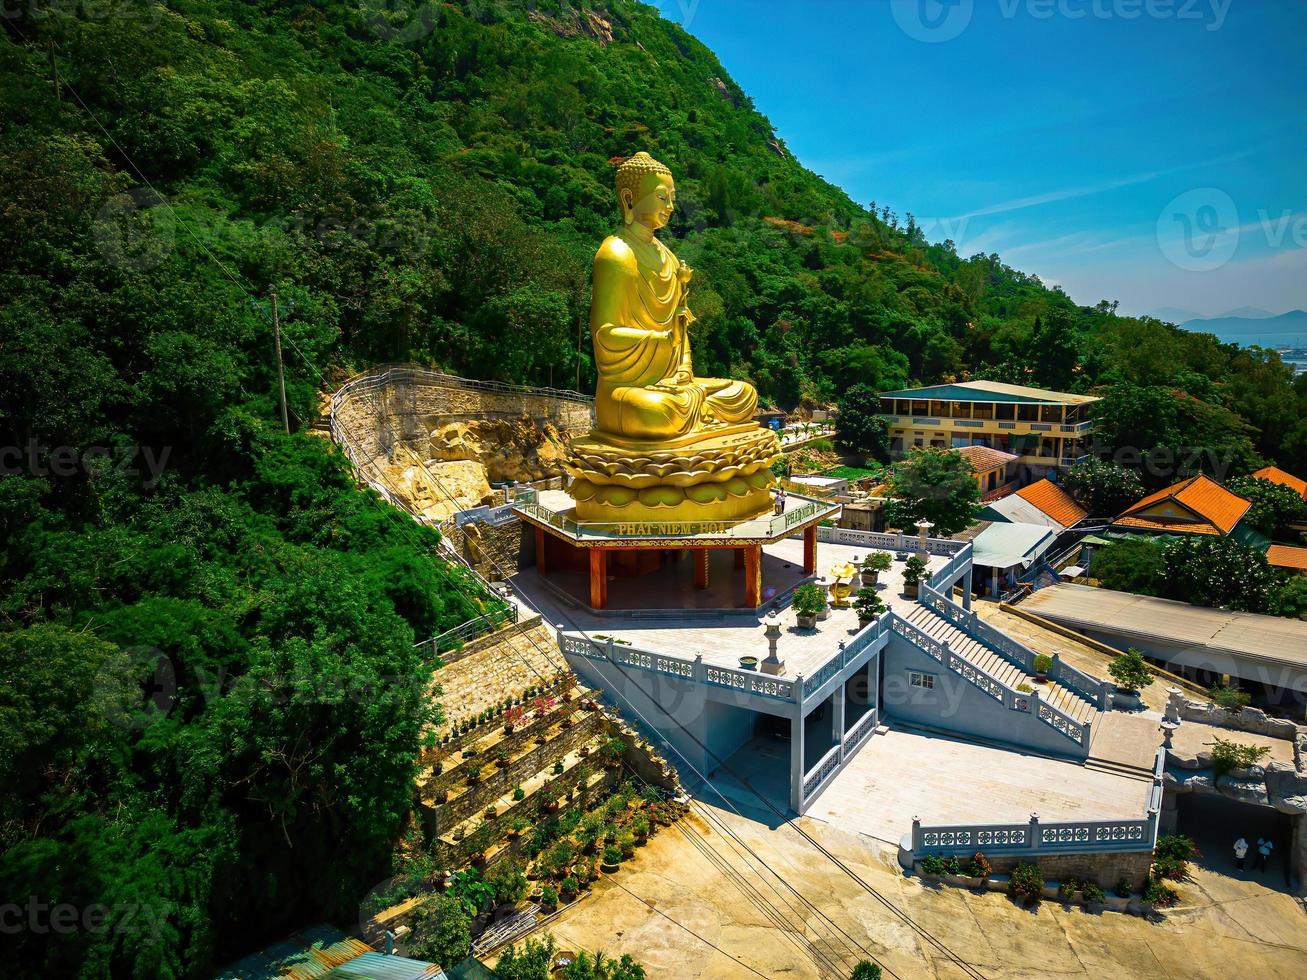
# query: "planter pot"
910, 591
748, 663
807, 622
864, 623
1126, 700
870, 579
1118, 904
963, 881
608, 869
1094, 908
824, 614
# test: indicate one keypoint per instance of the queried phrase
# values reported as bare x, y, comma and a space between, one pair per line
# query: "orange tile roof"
1053, 501
1215, 509
1287, 556
1277, 475
983, 458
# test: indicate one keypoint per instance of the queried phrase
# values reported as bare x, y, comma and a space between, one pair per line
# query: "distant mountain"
1286, 328
1172, 314
1247, 313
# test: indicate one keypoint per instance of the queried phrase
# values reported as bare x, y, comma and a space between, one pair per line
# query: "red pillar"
739, 558
700, 568
753, 576
598, 578
810, 550
541, 566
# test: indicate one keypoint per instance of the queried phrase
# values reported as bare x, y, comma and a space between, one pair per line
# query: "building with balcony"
1047, 430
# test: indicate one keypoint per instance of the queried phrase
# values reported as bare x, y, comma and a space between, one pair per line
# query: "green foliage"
1134, 565
1230, 698
868, 604
548, 896
1043, 663
936, 866
913, 570
1123, 888
508, 879
1102, 487
1290, 598
865, 970
1275, 507
1159, 894
859, 428
612, 854
809, 600
1227, 755
936, 484
878, 561
1131, 671
1092, 893
442, 931
979, 866
1026, 883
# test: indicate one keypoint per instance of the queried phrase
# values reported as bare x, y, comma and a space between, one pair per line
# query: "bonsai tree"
865, 970
913, 569
1130, 671
442, 930
612, 856
809, 601
868, 604
873, 565
548, 897
1231, 699
1043, 663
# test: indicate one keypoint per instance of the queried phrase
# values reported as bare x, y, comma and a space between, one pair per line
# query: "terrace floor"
703, 623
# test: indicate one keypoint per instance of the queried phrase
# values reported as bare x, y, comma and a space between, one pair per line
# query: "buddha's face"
656, 203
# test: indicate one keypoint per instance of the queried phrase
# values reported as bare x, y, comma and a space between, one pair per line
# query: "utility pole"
281, 371
54, 69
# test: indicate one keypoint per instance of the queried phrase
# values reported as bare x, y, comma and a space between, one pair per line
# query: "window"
918, 679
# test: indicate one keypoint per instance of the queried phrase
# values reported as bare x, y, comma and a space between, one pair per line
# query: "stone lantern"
773, 665
923, 529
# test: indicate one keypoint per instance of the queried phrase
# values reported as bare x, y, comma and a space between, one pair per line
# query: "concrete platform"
702, 625
943, 780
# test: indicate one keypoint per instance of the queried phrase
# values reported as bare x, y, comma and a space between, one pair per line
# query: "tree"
1218, 572
1131, 671
865, 970
936, 484
442, 931
1275, 506
1102, 487
1290, 598
1134, 565
859, 428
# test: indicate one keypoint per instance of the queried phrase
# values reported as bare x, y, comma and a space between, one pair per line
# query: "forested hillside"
427, 185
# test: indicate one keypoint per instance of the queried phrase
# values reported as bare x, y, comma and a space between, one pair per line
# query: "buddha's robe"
639, 322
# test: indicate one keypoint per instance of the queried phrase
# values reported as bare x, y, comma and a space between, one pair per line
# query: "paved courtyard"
942, 780
699, 627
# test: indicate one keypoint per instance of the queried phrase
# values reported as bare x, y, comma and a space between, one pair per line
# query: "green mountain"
422, 182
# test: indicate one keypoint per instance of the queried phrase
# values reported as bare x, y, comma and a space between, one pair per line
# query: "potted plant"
913, 569
748, 662
569, 888
1132, 675
612, 858
873, 565
809, 601
1026, 883
519, 794
868, 604
512, 718
1093, 896
1043, 664
548, 898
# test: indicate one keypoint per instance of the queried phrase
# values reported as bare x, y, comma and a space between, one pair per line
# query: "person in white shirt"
1240, 852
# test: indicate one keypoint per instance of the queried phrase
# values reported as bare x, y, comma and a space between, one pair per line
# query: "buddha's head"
646, 191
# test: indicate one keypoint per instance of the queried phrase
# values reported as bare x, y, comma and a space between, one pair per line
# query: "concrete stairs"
995, 665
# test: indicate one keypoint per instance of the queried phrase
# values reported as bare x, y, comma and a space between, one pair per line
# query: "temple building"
1042, 502
1198, 505
1047, 430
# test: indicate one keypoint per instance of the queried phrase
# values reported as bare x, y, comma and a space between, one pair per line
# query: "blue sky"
1148, 151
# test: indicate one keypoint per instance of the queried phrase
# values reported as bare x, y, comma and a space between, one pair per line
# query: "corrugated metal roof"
991, 391
1014, 509
379, 966
304, 955
1273, 639
1010, 545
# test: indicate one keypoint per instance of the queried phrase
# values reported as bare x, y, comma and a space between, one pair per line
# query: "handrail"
770, 526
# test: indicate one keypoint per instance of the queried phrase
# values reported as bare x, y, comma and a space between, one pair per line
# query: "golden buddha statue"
667, 446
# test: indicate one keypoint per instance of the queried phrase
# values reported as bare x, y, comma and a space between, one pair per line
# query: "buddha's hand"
684, 274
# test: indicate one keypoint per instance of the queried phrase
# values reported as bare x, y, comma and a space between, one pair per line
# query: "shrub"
1024, 688
809, 600
867, 603
612, 854
1227, 755
1123, 889
935, 866
1160, 895
913, 569
1043, 663
1230, 698
1026, 883
508, 879
877, 561
548, 897
1067, 889
442, 930
979, 867
865, 971
519, 793
1171, 856
1092, 893
570, 886
1130, 671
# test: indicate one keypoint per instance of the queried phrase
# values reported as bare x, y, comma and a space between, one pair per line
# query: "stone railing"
860, 730
1097, 692
846, 654
1009, 697
1034, 838
677, 665
824, 770
769, 526
889, 542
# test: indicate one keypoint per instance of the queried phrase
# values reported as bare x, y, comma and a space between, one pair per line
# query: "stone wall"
494, 550
1248, 720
